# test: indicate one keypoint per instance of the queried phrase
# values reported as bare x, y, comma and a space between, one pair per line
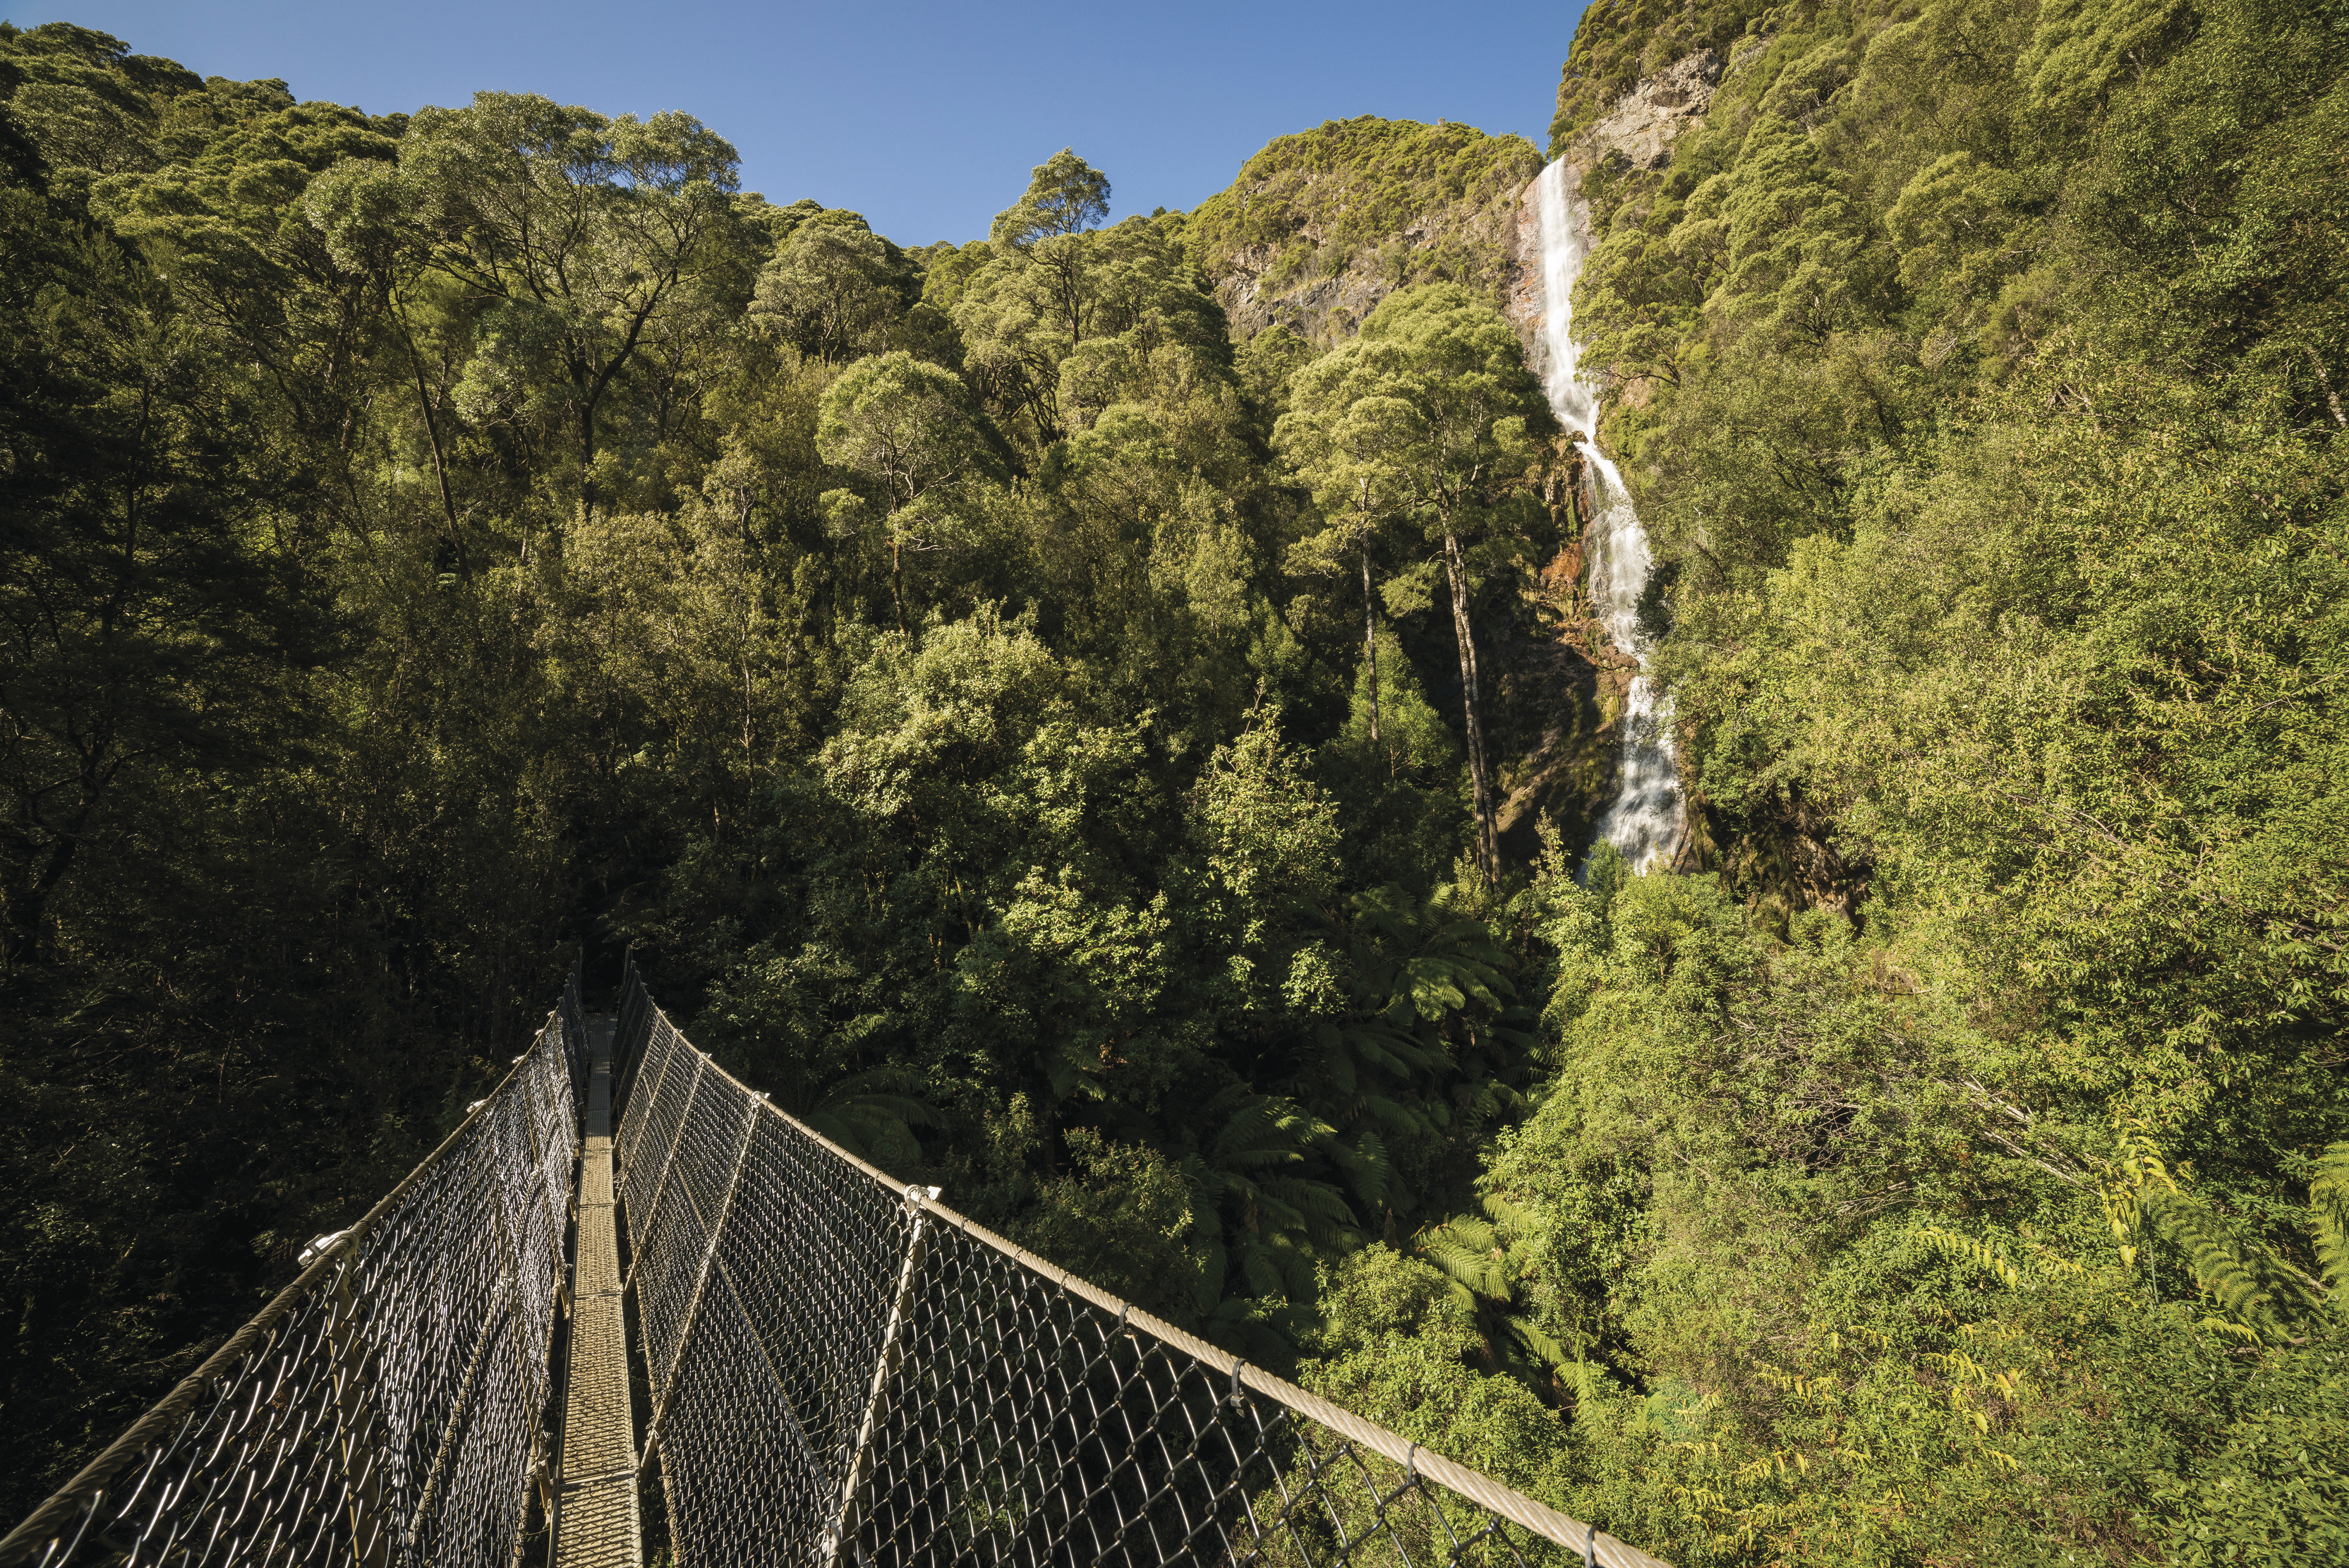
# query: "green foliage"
2265, 1296
1397, 1348
1059, 323
1975, 371
834, 288
911, 431
1428, 424
1621, 41
1401, 202
2272, 1485
1065, 195
1019, 726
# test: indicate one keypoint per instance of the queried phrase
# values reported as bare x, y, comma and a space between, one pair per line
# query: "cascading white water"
1644, 822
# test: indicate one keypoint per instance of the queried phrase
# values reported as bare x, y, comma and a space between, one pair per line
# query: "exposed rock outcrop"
1645, 122
1322, 309
1320, 226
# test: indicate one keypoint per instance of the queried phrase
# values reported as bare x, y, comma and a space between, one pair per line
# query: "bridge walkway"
842, 1363
595, 1512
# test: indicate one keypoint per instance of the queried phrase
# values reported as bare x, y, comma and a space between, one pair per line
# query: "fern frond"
2243, 1332
1367, 1167
1471, 1231
1313, 1200
1588, 1380
2329, 1196
1966, 1249
1536, 1343
1512, 1221
1475, 1271
2250, 1283
1396, 1116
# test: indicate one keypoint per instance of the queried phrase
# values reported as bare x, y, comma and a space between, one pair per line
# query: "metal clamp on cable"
1236, 1396
319, 1246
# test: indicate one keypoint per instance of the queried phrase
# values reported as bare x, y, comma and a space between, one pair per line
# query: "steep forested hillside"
1978, 366
1081, 740
439, 544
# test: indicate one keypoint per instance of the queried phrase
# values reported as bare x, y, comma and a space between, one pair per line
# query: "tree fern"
1468, 1250
2263, 1297
2329, 1196
1536, 1344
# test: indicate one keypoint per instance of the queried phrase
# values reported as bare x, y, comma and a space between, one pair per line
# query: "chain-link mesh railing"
843, 1371
387, 1407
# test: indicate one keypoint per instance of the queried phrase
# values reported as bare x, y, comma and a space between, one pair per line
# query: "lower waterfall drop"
1644, 822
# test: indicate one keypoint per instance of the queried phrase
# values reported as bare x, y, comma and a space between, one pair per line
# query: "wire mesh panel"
846, 1371
572, 1015
387, 1407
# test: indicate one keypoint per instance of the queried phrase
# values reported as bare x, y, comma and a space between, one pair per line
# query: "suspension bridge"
704, 1334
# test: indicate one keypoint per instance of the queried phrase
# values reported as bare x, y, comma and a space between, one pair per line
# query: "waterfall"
1644, 822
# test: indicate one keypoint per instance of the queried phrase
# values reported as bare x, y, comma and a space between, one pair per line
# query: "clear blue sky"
924, 117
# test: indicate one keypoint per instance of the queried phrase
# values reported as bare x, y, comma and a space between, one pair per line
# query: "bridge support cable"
691, 1064
874, 1380
885, 1374
384, 1411
595, 1521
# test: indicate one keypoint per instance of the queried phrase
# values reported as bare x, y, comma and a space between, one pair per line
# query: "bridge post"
885, 1368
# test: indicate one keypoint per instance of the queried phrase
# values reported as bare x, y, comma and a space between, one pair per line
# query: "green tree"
1430, 415
832, 289
912, 431
148, 612
580, 232
1065, 195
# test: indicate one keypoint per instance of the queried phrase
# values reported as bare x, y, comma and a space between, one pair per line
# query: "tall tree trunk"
440, 460
29, 889
587, 465
1488, 859
1370, 644
896, 595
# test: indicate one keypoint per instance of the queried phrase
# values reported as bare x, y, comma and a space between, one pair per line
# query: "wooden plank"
596, 1525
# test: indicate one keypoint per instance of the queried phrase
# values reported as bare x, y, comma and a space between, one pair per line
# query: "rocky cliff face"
1643, 124
1322, 225
1323, 309
1637, 132
1326, 308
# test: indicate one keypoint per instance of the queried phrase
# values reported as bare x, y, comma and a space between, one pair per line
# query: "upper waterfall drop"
1644, 822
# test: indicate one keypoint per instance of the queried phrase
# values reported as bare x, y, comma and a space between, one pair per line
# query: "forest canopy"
1135, 765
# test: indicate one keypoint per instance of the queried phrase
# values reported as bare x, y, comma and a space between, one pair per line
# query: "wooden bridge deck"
596, 1525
